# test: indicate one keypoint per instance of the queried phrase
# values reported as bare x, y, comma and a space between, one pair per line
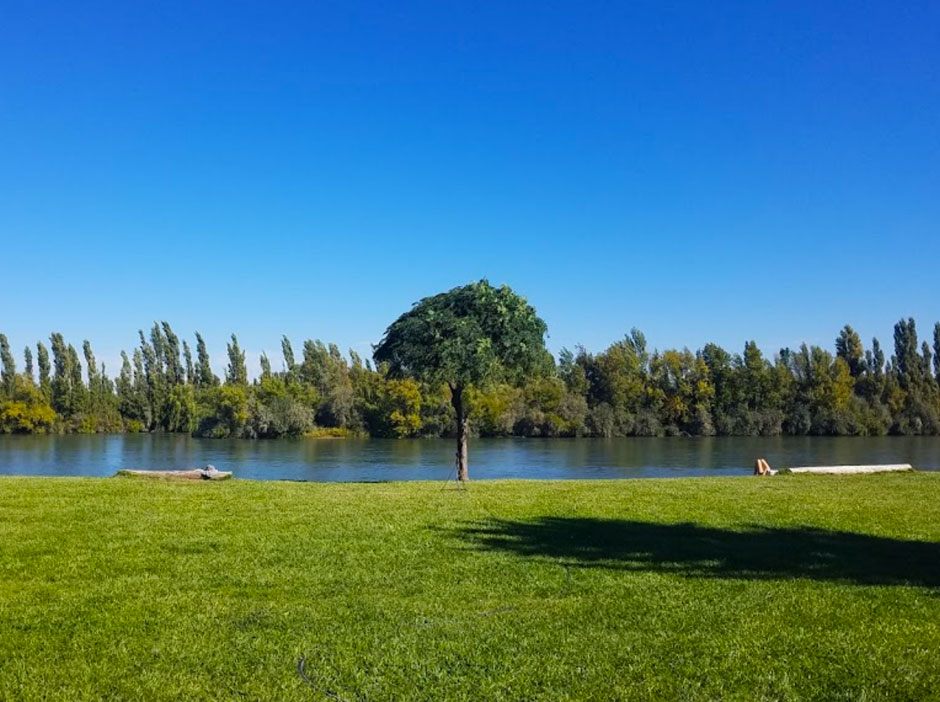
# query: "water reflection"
432, 459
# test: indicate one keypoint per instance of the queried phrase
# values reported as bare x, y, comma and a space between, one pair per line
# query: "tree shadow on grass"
755, 552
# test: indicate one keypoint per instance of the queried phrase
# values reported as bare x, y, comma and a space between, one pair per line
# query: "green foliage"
468, 336
179, 412
102, 413
18, 417
496, 410
401, 405
25, 410
279, 407
224, 412
331, 433
917, 401
325, 370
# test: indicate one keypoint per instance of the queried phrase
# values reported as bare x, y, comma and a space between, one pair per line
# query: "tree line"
166, 385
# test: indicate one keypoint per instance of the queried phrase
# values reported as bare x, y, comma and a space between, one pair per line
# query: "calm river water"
432, 459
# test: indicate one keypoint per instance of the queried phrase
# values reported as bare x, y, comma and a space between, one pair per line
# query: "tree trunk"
456, 399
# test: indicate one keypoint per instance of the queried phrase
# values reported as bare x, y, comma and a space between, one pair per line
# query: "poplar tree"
8, 367
906, 357
152, 376
878, 359
62, 375
205, 378
755, 381
91, 365
237, 372
188, 358
913, 376
125, 389
162, 363
929, 381
171, 356
77, 399
849, 349
28, 357
95, 396
265, 366
936, 351
141, 389
313, 368
45, 371
288, 352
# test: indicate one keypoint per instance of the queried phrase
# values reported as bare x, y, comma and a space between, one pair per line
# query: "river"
432, 459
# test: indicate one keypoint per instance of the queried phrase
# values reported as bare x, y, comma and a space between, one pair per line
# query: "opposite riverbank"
798, 587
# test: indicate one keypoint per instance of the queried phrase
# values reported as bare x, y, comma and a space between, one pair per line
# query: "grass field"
800, 587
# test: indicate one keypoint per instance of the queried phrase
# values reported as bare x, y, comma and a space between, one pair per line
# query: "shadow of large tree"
700, 551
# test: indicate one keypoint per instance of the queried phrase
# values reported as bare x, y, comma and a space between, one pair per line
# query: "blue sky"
703, 171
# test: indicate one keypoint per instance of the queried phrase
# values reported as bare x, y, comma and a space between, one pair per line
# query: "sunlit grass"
804, 587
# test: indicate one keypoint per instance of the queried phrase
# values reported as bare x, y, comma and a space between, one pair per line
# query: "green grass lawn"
802, 587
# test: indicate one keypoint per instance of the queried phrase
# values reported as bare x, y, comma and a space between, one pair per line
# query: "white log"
846, 470
196, 474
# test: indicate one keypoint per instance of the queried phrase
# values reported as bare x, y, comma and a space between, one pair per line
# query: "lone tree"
469, 336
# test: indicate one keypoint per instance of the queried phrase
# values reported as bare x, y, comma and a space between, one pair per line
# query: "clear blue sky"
704, 171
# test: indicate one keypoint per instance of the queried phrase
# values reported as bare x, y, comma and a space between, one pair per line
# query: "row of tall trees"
164, 384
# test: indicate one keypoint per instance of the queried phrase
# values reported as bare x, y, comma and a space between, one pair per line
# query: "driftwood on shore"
207, 473
846, 470
761, 467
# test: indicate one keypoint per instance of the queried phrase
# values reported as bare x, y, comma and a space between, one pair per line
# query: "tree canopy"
469, 336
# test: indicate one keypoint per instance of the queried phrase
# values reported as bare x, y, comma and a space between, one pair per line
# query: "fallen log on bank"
207, 473
848, 470
762, 467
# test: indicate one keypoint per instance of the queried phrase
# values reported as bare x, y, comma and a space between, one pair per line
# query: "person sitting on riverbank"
762, 467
